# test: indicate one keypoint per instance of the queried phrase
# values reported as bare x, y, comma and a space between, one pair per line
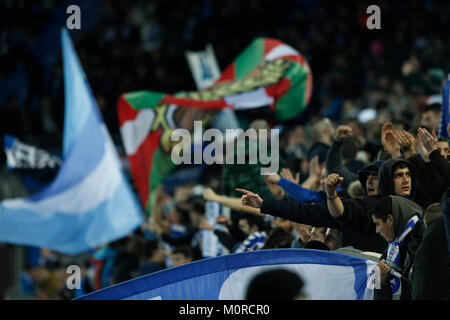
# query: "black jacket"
402, 210
431, 270
318, 215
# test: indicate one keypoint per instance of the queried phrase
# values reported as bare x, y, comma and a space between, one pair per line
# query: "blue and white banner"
445, 111
327, 276
204, 67
20, 155
90, 202
211, 246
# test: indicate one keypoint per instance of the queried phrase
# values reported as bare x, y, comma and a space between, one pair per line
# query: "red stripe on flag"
228, 75
278, 89
186, 102
141, 164
269, 44
125, 111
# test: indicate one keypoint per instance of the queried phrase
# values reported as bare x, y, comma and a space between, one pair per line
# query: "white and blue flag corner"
327, 276
445, 112
90, 202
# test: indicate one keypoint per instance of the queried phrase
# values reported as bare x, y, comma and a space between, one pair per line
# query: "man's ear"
390, 219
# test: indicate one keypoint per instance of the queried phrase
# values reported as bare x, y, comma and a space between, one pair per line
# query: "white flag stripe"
281, 51
250, 99
86, 195
135, 131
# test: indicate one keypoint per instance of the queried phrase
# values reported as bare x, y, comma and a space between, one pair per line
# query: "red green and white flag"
268, 73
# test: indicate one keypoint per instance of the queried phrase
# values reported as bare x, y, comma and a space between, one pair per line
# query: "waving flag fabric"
20, 155
90, 202
268, 73
327, 276
445, 112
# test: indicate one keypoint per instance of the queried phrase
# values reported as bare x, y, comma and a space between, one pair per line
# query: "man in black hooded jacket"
399, 221
318, 215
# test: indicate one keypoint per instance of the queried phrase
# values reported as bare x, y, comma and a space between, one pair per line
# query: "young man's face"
402, 181
372, 185
430, 119
385, 228
442, 147
179, 259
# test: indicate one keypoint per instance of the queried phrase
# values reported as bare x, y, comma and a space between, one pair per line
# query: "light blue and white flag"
327, 276
90, 202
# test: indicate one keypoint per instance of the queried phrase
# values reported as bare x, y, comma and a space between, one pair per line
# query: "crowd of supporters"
376, 97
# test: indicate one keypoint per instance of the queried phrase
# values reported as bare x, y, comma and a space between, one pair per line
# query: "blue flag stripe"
226, 265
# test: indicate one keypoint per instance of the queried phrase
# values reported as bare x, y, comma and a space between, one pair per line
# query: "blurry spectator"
431, 270
153, 258
278, 238
443, 147
181, 255
278, 284
431, 116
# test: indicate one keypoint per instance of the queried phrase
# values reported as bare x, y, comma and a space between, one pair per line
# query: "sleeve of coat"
335, 165
357, 214
316, 215
441, 165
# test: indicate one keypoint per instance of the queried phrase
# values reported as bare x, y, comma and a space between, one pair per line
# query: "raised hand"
221, 219
389, 140
271, 181
428, 141
406, 141
314, 168
332, 182
205, 225
286, 173
343, 132
250, 199
272, 178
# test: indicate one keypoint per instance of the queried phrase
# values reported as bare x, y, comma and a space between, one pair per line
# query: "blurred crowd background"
361, 78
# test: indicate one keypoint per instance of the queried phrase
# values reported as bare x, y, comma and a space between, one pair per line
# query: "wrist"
332, 195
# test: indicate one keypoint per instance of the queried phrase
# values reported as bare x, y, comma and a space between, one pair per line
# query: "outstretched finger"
246, 192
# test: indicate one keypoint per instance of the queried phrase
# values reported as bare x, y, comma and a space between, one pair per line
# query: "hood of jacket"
371, 168
402, 210
385, 177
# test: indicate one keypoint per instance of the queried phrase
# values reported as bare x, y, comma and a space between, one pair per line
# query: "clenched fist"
332, 182
343, 132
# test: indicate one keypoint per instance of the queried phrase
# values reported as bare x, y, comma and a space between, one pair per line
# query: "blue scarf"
393, 255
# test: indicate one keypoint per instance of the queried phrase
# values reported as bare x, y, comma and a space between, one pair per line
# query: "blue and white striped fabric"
90, 202
327, 276
211, 246
254, 241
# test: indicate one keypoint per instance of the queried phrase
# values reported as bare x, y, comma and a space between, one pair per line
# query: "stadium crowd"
356, 166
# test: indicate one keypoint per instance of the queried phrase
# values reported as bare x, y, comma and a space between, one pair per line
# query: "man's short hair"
383, 208
435, 107
254, 220
432, 212
186, 251
400, 165
277, 284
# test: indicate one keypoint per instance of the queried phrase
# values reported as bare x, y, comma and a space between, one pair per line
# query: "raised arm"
233, 203
334, 156
334, 203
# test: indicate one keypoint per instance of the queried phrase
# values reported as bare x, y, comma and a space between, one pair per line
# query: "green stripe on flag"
162, 167
144, 99
292, 103
249, 59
